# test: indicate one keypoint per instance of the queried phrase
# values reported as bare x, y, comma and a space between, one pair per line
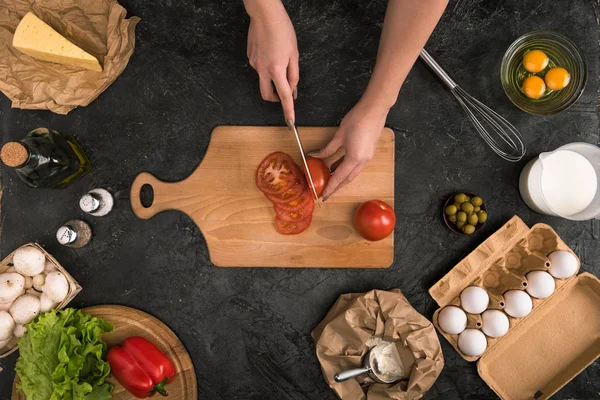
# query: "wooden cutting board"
132, 322
236, 219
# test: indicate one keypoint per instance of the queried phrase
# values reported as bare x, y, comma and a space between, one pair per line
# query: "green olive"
468, 199
468, 229
476, 209
451, 210
477, 201
467, 207
457, 205
482, 216
472, 219
460, 198
460, 224
452, 218
461, 216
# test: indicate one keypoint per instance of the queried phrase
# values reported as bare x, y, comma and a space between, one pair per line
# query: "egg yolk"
535, 61
557, 78
534, 87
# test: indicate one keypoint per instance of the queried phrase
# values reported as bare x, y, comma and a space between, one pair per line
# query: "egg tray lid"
543, 351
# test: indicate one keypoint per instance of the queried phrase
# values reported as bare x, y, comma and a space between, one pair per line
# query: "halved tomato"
292, 193
292, 228
319, 172
299, 214
276, 173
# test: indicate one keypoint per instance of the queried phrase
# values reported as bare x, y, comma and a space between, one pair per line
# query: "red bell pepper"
141, 367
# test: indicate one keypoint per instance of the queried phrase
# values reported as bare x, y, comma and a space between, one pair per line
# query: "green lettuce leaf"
62, 357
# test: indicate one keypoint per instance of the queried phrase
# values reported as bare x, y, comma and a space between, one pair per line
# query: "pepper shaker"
97, 202
74, 233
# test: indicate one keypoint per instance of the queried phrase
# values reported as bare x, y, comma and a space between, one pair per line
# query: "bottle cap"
14, 154
89, 203
66, 235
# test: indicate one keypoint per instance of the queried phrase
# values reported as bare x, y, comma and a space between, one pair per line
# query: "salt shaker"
74, 233
97, 202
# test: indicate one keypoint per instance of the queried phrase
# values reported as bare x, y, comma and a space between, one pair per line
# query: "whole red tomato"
319, 172
374, 220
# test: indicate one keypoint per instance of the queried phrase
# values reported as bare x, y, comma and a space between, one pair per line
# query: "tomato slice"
292, 228
292, 193
276, 173
301, 213
295, 204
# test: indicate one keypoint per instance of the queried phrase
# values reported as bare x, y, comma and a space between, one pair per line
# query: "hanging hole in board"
547, 264
501, 304
147, 196
524, 284
478, 324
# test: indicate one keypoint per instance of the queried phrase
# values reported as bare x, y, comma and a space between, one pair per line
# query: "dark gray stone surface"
248, 330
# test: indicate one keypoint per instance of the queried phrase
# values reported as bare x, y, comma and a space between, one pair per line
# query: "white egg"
494, 323
563, 264
472, 342
517, 303
452, 320
540, 284
474, 300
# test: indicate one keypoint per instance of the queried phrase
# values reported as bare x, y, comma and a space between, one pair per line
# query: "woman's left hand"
358, 134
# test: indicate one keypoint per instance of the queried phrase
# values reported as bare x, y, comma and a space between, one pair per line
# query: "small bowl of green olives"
465, 213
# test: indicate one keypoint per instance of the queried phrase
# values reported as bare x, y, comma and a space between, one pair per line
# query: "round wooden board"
131, 322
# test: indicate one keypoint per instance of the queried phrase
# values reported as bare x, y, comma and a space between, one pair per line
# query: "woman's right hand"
273, 53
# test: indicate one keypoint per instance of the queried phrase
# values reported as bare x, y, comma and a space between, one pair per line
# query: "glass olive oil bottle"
46, 159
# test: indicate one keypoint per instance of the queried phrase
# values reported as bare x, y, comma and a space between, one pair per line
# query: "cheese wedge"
37, 39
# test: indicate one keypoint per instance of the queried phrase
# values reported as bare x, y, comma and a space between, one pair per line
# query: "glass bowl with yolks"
543, 73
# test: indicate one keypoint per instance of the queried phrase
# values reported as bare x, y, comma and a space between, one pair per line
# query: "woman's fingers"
285, 94
293, 76
344, 170
267, 91
331, 148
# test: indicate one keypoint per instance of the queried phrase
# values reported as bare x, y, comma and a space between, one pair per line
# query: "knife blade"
292, 127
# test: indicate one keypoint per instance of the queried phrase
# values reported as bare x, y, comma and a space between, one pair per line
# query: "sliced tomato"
276, 173
292, 228
299, 214
319, 172
300, 202
292, 193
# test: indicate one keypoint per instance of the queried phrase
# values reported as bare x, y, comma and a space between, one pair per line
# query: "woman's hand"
273, 53
358, 134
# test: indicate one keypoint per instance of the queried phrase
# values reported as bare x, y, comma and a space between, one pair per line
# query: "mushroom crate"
31, 282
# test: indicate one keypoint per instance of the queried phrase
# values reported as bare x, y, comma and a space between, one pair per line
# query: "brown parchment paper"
355, 318
97, 26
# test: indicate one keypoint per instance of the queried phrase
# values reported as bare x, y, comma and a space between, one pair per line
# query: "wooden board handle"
159, 189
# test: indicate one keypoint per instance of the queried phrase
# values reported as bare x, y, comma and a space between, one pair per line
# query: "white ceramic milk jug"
564, 182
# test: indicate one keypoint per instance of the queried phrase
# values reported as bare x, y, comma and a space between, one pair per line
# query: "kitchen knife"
292, 127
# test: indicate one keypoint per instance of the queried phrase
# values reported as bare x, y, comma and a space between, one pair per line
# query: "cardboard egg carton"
544, 350
74, 288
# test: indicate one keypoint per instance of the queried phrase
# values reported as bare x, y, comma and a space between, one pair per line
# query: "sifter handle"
439, 71
351, 373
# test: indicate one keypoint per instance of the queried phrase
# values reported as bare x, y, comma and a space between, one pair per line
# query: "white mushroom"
5, 342
7, 325
11, 287
19, 331
49, 267
46, 303
25, 308
11, 269
28, 282
56, 286
5, 306
29, 261
33, 292
38, 282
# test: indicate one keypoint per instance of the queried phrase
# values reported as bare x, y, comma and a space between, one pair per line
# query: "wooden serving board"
131, 322
237, 221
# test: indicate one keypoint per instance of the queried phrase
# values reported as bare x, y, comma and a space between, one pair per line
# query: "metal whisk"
497, 132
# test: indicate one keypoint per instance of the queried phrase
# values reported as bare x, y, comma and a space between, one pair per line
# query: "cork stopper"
14, 154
